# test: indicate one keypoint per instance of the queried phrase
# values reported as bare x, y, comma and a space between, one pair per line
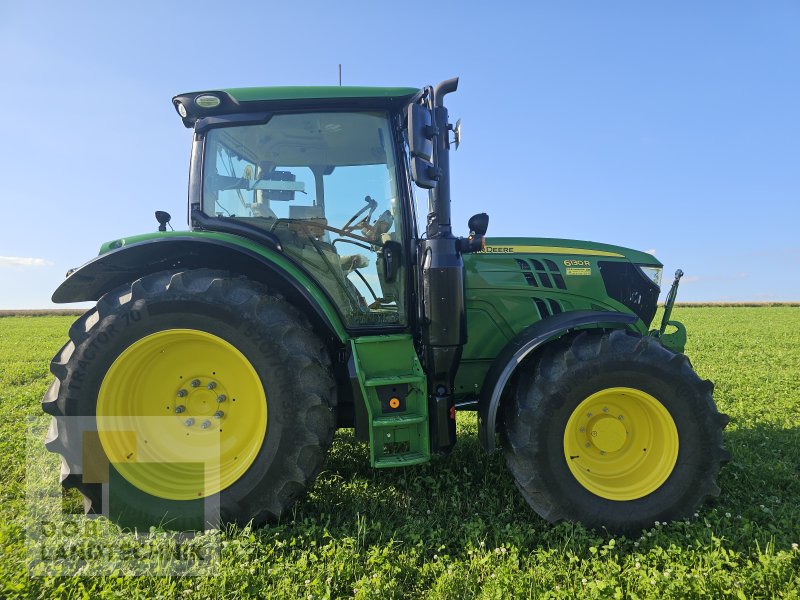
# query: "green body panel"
674, 340
501, 301
387, 368
581, 247
277, 258
260, 94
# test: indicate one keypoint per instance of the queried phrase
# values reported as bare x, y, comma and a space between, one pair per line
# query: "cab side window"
325, 184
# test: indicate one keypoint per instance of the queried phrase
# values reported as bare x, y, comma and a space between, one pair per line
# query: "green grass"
457, 527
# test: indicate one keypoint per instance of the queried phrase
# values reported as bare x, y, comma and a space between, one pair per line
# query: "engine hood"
536, 278
559, 246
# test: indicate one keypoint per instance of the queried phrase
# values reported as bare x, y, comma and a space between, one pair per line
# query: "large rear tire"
614, 431
200, 390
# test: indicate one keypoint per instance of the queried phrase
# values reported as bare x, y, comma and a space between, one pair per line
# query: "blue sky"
672, 127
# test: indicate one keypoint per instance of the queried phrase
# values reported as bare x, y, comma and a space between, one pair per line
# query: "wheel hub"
181, 414
621, 443
608, 434
204, 399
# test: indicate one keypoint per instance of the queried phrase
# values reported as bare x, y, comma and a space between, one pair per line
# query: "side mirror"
420, 145
423, 173
420, 132
478, 224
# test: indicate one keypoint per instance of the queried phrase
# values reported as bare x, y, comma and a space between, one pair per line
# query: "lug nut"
195, 382
179, 409
205, 424
211, 385
182, 393
222, 398
219, 414
189, 422
605, 409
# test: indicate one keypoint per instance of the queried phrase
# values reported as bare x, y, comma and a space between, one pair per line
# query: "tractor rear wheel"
187, 391
614, 431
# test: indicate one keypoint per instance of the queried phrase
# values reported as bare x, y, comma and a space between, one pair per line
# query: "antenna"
340, 74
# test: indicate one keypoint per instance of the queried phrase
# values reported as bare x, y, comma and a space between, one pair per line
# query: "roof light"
207, 101
181, 109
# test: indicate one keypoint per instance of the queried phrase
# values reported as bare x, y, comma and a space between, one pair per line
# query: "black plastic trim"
625, 283
231, 120
237, 227
528, 340
229, 105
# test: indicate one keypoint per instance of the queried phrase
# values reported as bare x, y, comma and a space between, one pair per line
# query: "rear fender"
526, 342
193, 251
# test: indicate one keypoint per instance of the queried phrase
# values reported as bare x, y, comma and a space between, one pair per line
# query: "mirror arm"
474, 243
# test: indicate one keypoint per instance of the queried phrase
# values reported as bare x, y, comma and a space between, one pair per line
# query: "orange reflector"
394, 402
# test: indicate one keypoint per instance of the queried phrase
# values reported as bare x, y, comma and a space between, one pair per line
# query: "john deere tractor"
219, 361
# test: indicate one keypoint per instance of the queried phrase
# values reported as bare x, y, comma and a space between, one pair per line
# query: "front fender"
529, 339
192, 250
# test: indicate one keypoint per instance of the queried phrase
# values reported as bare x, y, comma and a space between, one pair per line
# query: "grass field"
457, 527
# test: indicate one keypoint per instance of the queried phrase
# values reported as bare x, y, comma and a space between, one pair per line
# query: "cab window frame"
406, 225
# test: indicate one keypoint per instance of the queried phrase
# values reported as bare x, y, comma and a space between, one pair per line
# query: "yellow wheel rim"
181, 414
621, 443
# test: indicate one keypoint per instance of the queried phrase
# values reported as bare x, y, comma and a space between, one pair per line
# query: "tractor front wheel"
194, 397
614, 431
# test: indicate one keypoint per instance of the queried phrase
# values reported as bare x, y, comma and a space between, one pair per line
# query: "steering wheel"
353, 224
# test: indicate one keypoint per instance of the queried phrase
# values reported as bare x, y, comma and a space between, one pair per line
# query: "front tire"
614, 431
185, 390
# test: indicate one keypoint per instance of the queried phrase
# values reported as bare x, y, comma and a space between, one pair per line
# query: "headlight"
652, 273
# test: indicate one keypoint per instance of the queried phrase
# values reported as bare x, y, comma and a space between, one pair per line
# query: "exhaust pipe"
444, 330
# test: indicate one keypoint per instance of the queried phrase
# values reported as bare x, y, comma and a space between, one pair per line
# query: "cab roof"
236, 100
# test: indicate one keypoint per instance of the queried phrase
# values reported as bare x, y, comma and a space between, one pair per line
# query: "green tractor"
219, 361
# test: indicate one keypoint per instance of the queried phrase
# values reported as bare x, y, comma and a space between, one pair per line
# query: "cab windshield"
325, 185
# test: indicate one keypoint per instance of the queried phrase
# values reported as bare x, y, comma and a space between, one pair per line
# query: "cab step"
395, 388
394, 420
404, 460
378, 381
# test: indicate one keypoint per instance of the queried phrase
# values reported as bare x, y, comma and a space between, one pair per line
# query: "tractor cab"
326, 185
329, 185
